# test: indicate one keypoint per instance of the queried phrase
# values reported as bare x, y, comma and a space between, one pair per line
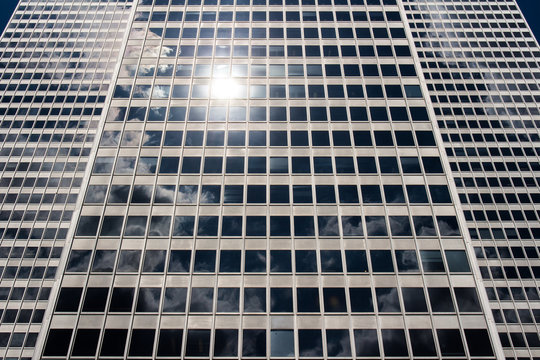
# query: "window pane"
310, 343
282, 343
254, 343
394, 342
338, 343
366, 342
228, 299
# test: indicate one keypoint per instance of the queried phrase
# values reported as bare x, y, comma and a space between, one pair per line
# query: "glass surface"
366, 342
282, 343
310, 343
230, 260
129, 261
440, 299
254, 343
228, 299
201, 300
331, 261
338, 343
148, 300
198, 343
254, 299
394, 342
414, 299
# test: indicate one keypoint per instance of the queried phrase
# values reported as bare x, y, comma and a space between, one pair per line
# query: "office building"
268, 178
57, 62
480, 62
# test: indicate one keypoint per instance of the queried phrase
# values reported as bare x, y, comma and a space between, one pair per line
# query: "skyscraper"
57, 61
480, 62
269, 178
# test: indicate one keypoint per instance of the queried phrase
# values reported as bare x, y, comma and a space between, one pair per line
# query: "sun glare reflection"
225, 89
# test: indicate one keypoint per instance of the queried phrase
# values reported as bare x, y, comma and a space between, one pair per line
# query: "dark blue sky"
7, 9
531, 9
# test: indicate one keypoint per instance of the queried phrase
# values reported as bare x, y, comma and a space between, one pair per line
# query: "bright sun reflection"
225, 89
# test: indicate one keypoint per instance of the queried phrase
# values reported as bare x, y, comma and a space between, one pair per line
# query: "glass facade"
269, 179
480, 62
268, 184
57, 59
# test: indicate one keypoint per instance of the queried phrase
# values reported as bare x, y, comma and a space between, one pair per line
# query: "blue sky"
531, 9
7, 9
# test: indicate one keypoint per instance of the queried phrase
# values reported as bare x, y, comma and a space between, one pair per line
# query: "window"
254, 343
255, 261
175, 300
164, 194
282, 343
310, 342
233, 194
279, 165
366, 341
338, 343
234, 165
308, 299
256, 226
148, 300
450, 342
170, 342
281, 300
328, 225
205, 261
301, 165
236, 138
422, 343
457, 261
129, 261
95, 300
331, 261
366, 165
198, 343
376, 226
210, 194
256, 165
201, 299
280, 226
122, 299
69, 299
191, 165
352, 225
304, 226
306, 261
257, 138
88, 225
394, 343
334, 300
467, 299
325, 194
400, 226
441, 300
226, 342
230, 261
279, 194
432, 261
114, 342
228, 299
348, 194
479, 343
280, 261
183, 225
371, 194
254, 299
